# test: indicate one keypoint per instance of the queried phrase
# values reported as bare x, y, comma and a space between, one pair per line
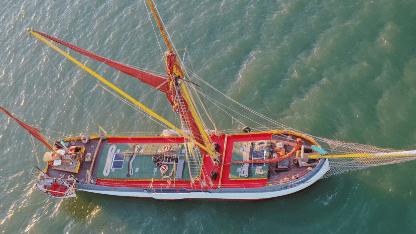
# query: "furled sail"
36, 133
155, 81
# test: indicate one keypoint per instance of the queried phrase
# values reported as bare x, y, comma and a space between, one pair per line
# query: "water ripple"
313, 65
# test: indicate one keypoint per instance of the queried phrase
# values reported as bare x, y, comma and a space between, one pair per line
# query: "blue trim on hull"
272, 188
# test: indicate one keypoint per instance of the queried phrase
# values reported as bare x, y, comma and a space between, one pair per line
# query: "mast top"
181, 100
159, 24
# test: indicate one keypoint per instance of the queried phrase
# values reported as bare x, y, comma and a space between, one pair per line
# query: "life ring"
164, 168
166, 148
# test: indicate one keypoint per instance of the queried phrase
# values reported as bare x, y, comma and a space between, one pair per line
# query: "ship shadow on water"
295, 212
339, 204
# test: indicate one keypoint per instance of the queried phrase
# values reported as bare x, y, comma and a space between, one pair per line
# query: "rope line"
70, 89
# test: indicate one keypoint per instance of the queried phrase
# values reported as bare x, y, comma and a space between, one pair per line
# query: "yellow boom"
116, 89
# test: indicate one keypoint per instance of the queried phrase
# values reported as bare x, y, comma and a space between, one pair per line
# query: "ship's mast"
159, 24
180, 98
137, 103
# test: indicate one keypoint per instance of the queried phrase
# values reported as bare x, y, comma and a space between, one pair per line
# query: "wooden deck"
90, 149
147, 174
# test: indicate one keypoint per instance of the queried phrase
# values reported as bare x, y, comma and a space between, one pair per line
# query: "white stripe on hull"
220, 195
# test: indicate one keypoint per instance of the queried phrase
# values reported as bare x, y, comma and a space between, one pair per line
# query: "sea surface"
343, 70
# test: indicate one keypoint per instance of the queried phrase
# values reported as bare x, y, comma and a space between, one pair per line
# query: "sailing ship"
192, 162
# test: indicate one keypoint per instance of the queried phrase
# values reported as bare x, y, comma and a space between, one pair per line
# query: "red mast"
178, 96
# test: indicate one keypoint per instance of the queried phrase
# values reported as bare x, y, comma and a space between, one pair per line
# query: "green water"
336, 69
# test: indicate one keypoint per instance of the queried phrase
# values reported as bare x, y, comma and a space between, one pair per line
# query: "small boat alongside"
60, 188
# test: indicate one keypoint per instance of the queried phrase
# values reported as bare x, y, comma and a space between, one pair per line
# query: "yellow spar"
197, 120
177, 70
115, 88
410, 153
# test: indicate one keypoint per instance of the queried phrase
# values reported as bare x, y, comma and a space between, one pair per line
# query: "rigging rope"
157, 39
130, 104
34, 149
358, 156
216, 102
335, 146
115, 88
245, 107
195, 91
70, 90
151, 91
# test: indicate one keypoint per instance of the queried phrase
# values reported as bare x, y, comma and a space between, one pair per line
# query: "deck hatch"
118, 161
